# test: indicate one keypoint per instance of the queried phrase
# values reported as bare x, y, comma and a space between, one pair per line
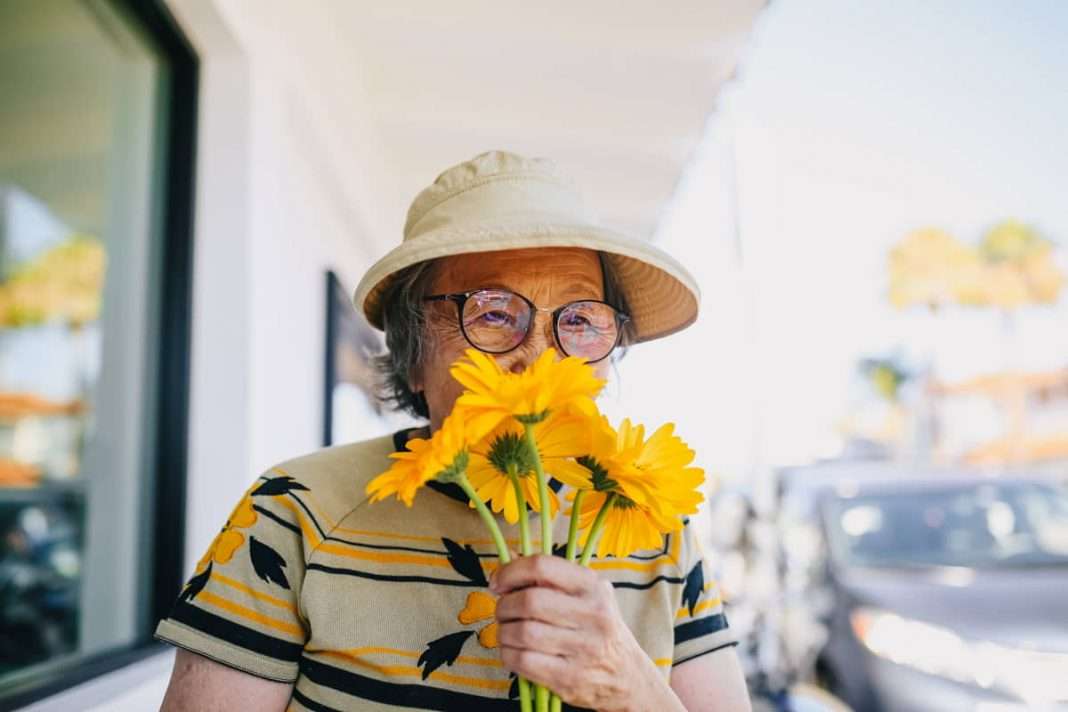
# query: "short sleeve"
700, 621
240, 607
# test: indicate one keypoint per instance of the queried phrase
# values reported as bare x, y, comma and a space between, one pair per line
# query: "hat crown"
493, 186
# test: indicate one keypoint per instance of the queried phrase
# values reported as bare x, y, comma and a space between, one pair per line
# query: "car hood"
1021, 607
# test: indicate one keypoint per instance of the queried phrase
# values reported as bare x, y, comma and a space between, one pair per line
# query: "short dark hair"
404, 321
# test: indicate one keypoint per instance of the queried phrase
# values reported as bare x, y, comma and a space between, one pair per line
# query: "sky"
849, 125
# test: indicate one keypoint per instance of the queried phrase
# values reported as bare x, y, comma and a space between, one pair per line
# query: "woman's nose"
538, 340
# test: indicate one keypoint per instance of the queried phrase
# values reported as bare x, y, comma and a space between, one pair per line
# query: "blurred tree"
1019, 267
930, 267
1012, 267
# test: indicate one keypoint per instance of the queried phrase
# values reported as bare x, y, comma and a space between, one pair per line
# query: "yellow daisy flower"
560, 438
653, 472
653, 482
549, 385
441, 457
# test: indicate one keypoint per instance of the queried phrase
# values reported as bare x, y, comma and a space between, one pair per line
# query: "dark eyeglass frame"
460, 299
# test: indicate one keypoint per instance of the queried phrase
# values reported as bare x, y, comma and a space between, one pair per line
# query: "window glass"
81, 91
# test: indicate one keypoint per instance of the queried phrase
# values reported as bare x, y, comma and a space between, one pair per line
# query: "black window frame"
172, 373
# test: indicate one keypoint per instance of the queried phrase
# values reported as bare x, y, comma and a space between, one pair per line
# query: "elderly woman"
310, 599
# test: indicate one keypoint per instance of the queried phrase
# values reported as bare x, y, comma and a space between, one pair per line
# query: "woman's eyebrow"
574, 292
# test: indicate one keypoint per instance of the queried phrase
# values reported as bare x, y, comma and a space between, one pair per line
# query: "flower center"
454, 470
508, 451
601, 481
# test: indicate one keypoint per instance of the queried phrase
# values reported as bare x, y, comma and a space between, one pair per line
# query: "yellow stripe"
249, 614
379, 650
488, 564
258, 595
384, 557
412, 671
305, 526
662, 662
416, 537
684, 612
631, 565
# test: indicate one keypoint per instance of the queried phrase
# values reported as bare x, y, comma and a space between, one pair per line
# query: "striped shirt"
382, 607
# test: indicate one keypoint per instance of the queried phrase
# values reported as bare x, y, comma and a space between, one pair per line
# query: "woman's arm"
712, 683
202, 685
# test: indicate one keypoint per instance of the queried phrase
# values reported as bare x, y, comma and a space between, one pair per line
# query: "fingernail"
493, 581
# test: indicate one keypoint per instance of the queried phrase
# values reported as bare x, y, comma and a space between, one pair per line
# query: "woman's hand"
560, 626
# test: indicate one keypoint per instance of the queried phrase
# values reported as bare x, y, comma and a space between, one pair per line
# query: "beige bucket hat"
503, 201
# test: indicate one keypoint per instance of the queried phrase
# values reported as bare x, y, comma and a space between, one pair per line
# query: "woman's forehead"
568, 269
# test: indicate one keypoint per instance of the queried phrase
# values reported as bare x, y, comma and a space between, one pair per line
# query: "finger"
541, 604
543, 570
541, 668
544, 638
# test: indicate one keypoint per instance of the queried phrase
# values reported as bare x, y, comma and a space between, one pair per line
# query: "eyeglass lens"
497, 321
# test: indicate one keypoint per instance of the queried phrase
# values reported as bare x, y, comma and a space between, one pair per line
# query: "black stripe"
705, 652
322, 534
422, 697
647, 584
402, 548
239, 635
271, 515
464, 583
654, 557
310, 703
397, 579
704, 626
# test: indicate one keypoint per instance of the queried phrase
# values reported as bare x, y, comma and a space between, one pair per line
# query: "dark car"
949, 592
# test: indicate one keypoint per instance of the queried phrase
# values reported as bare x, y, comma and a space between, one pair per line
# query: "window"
96, 124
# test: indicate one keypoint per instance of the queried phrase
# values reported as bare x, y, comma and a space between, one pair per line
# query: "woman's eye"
576, 321
495, 318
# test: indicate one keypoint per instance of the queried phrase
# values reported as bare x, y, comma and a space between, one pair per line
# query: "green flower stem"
524, 540
543, 492
524, 695
541, 694
554, 703
521, 503
572, 530
487, 518
595, 530
502, 553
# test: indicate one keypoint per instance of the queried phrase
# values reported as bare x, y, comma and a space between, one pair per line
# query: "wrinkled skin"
549, 277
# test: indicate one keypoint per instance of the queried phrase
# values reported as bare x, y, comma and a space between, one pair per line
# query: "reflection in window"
80, 93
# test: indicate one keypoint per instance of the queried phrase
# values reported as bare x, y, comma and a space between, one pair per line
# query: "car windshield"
987, 525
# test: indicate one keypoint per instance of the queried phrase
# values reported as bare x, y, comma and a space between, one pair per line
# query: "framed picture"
352, 407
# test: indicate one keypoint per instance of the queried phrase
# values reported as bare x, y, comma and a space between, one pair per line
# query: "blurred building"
176, 181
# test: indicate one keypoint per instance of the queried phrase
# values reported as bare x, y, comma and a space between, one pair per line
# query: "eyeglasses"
496, 321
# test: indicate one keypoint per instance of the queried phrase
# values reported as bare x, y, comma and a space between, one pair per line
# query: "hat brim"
661, 294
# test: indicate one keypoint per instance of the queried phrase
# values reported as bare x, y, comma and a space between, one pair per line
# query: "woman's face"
549, 276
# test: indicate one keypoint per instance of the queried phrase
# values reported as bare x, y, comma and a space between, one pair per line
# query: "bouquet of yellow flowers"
509, 432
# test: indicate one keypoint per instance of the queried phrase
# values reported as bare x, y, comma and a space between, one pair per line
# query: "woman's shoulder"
335, 478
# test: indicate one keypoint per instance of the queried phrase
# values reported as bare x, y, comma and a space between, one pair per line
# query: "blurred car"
950, 591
